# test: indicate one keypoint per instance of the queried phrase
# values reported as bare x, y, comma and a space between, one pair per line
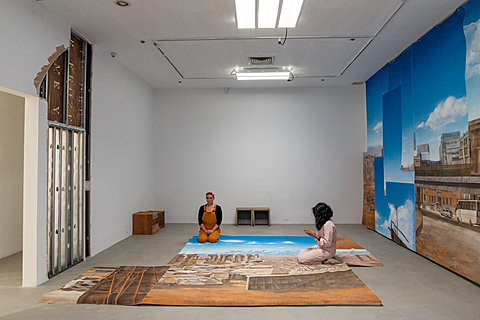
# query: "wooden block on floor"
148, 222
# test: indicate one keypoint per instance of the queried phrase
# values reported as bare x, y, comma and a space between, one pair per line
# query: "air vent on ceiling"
262, 61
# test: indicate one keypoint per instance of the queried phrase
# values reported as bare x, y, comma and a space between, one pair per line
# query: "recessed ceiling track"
256, 38
394, 12
169, 61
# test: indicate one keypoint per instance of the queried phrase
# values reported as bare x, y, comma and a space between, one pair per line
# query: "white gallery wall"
29, 34
121, 155
11, 173
286, 149
122, 158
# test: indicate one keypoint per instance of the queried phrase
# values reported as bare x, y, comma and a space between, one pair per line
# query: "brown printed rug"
228, 279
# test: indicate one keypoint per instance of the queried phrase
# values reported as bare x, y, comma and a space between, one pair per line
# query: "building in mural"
474, 137
449, 148
423, 151
464, 153
368, 218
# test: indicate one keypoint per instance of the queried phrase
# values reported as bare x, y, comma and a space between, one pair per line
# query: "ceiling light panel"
273, 75
267, 13
245, 13
289, 14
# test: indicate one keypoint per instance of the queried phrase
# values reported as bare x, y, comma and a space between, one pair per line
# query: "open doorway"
12, 120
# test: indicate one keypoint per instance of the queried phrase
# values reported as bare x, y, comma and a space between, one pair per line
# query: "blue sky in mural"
262, 245
403, 69
390, 119
438, 83
472, 69
393, 134
376, 86
394, 188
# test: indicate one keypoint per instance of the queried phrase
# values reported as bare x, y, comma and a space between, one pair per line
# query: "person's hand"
310, 233
209, 232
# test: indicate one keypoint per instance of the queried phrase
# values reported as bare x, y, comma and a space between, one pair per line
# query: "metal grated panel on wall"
65, 198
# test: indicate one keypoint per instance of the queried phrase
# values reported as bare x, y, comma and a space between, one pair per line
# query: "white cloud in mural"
472, 34
446, 112
406, 222
378, 127
381, 227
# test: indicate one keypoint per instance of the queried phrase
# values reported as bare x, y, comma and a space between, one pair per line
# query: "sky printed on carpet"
261, 245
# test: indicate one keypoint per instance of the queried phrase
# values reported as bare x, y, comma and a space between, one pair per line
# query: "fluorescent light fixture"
245, 13
259, 74
289, 14
267, 13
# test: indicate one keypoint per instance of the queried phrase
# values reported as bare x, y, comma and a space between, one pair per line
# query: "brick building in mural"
474, 136
368, 218
439, 197
464, 153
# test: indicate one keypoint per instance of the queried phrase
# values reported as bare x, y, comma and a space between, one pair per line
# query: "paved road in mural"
454, 247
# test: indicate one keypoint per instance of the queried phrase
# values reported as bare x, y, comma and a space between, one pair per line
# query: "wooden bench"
252, 216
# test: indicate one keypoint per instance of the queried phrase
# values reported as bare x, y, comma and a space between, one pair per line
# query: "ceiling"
195, 43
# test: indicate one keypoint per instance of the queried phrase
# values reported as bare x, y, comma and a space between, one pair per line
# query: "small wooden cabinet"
252, 216
148, 222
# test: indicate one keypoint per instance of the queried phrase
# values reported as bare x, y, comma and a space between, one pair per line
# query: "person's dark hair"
322, 213
210, 193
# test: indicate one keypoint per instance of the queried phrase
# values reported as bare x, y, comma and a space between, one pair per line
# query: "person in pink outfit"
326, 237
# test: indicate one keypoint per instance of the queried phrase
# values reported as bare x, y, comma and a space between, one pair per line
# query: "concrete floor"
410, 286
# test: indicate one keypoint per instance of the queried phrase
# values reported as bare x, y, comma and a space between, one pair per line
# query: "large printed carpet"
236, 271
348, 251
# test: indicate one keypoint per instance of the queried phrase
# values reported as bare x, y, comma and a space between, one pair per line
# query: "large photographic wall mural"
422, 165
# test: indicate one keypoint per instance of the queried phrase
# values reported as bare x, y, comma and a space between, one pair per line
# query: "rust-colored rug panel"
354, 258
128, 285
358, 260
238, 297
338, 288
347, 243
